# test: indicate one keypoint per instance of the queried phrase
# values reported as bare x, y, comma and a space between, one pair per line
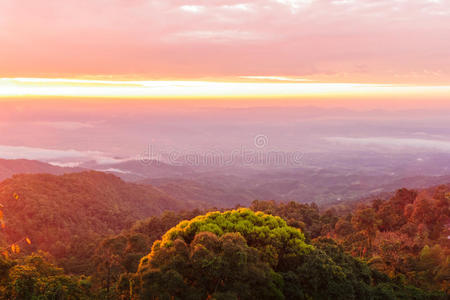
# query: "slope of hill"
9, 167
324, 187
218, 191
66, 215
417, 182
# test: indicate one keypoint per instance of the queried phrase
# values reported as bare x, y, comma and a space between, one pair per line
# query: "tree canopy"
241, 254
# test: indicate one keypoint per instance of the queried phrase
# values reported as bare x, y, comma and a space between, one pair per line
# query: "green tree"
241, 254
34, 278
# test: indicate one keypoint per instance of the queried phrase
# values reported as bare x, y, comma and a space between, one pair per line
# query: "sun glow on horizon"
271, 87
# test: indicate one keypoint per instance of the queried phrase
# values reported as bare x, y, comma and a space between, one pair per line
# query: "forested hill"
10, 167
99, 227
66, 215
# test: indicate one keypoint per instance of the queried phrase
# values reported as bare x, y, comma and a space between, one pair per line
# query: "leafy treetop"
269, 234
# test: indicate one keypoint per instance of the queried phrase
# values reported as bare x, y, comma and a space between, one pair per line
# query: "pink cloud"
348, 39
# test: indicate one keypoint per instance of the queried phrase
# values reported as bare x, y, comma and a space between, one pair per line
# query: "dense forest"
93, 236
67, 215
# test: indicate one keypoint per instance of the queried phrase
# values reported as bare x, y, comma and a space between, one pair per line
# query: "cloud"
278, 78
65, 164
394, 143
57, 156
222, 36
114, 170
295, 4
192, 8
64, 125
394, 40
239, 6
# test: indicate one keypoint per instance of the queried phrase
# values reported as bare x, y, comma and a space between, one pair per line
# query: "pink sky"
384, 41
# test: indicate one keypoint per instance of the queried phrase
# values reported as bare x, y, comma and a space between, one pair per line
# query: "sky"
351, 41
92, 75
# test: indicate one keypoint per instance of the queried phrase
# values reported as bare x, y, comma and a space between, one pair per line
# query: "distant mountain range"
209, 186
136, 170
9, 168
131, 170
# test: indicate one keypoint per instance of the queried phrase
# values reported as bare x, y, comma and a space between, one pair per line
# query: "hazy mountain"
136, 170
25, 166
321, 186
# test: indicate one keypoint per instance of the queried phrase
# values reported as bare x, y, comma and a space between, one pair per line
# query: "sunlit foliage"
241, 254
34, 277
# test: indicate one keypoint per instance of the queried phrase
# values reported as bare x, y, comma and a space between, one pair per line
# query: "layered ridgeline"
67, 215
228, 188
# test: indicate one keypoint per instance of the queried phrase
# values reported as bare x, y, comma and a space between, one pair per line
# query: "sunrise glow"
224, 149
25, 87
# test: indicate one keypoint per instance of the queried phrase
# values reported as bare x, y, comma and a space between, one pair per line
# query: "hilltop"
66, 215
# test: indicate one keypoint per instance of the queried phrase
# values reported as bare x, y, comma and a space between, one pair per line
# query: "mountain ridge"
58, 211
